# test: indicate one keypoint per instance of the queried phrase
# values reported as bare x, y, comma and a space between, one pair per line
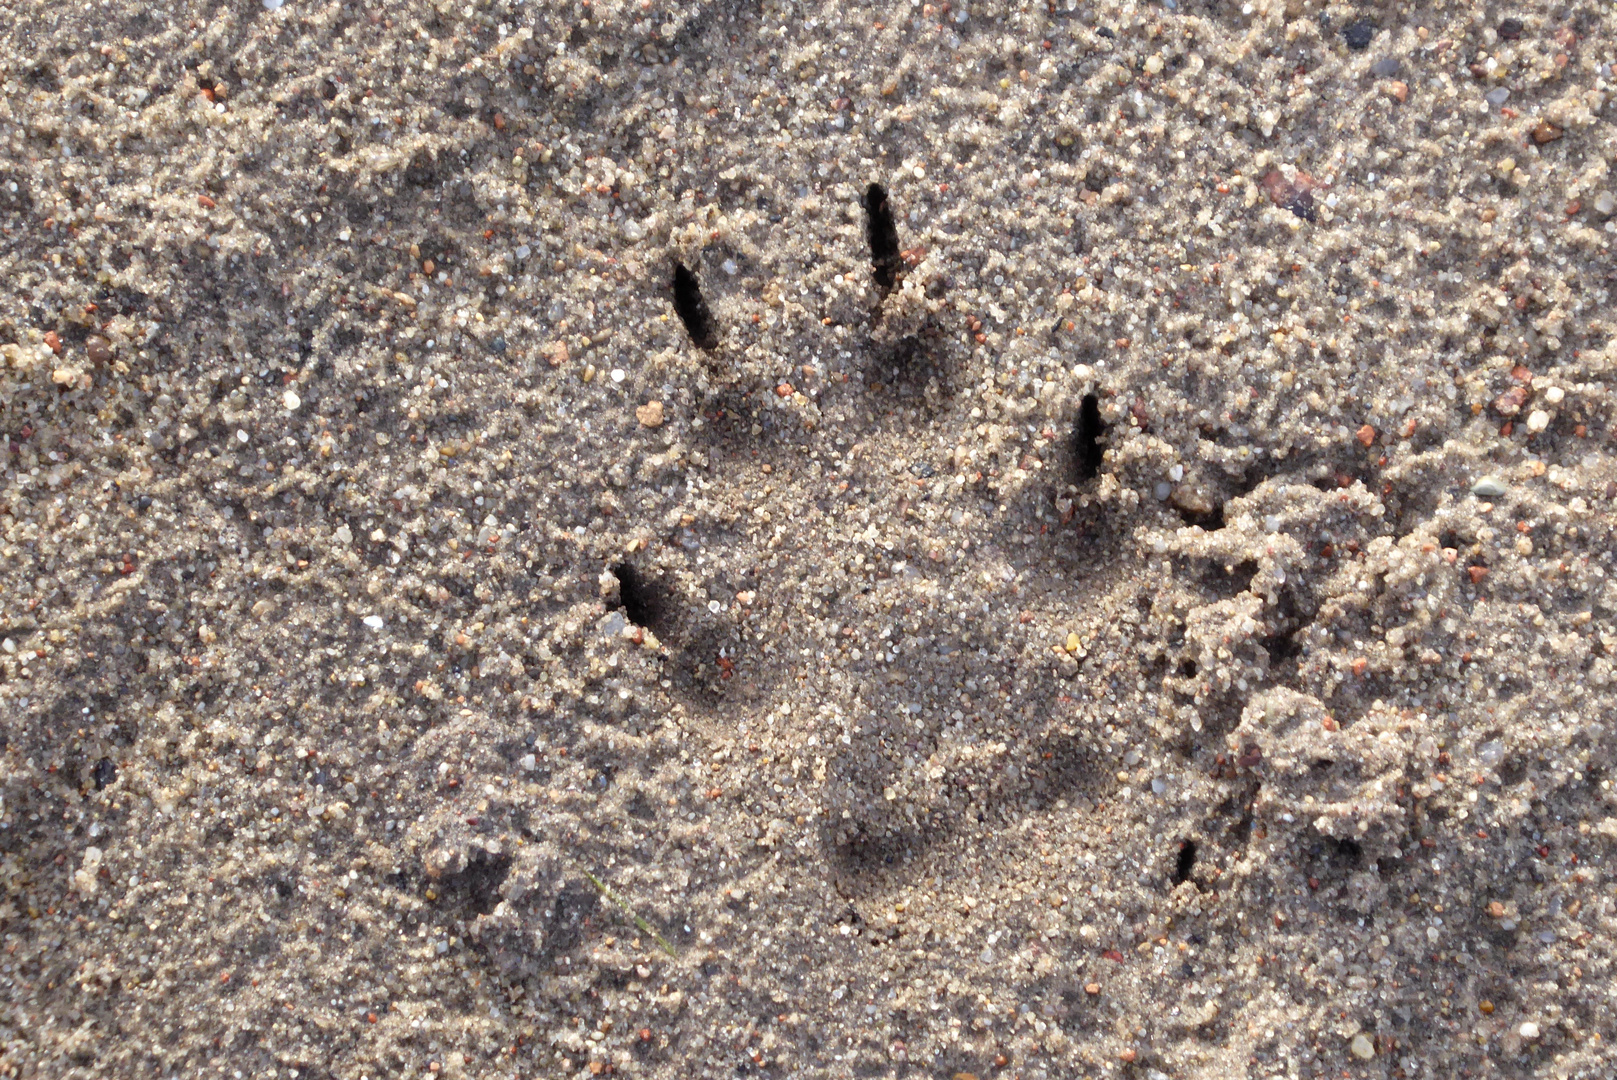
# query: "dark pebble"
99, 350
1386, 67
923, 469
1105, 32
1302, 204
1358, 34
497, 346
105, 773
1511, 29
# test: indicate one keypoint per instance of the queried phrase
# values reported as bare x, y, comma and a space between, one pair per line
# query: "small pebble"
650, 414
1489, 487
1545, 132
1358, 35
291, 400
1497, 96
373, 621
1386, 67
1528, 1030
1362, 1047
1606, 203
1537, 421
618, 375
1510, 29
99, 350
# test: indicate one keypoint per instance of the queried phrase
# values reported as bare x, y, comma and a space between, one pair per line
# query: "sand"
1149, 616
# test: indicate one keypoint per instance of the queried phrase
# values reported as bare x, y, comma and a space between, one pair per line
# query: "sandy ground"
1149, 616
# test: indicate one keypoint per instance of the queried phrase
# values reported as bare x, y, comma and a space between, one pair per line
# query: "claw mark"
692, 309
883, 235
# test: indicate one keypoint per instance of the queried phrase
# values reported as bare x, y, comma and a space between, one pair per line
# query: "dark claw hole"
883, 235
1211, 521
1347, 850
692, 309
1185, 863
1090, 431
479, 883
642, 604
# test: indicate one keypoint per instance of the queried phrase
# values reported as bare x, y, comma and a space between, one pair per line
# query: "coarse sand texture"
918, 540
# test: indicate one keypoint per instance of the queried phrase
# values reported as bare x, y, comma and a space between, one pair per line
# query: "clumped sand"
420, 658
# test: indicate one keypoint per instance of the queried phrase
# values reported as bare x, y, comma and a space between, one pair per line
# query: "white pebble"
1554, 395
1362, 1047
291, 400
729, 267
373, 621
273, 5
241, 436
1528, 1030
920, 173
618, 374
1538, 420
529, 763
